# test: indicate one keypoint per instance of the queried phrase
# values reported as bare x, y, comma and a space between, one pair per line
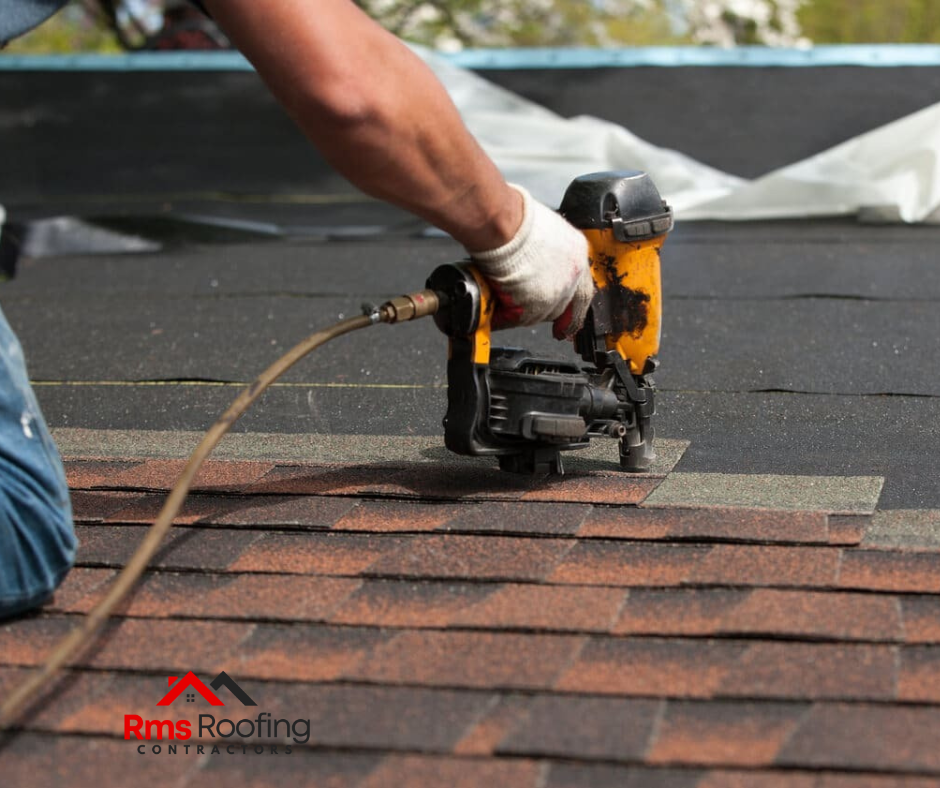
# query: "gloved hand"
542, 274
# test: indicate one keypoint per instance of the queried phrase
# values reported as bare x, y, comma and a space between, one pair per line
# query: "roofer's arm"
383, 120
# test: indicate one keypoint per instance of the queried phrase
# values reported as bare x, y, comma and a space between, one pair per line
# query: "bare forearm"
375, 111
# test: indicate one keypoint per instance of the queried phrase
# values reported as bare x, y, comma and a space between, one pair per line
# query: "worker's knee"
37, 540
37, 546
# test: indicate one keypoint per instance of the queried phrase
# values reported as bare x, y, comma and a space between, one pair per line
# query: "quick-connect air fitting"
409, 307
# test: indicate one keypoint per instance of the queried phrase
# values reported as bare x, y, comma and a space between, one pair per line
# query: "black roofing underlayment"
788, 347
747, 121
149, 133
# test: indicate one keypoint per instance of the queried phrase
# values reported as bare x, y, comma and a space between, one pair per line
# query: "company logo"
278, 734
191, 681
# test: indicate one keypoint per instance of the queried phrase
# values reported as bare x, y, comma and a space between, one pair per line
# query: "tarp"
890, 174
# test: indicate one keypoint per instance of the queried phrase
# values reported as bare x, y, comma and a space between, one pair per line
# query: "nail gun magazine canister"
625, 222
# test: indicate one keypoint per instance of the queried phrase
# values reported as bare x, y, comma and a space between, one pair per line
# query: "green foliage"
472, 23
871, 21
452, 24
75, 29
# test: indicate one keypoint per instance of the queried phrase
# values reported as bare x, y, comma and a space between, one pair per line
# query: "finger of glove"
562, 325
506, 312
581, 302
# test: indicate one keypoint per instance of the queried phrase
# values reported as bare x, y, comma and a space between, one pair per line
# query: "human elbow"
342, 104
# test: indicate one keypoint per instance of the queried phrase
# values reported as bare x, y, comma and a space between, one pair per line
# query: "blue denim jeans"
37, 540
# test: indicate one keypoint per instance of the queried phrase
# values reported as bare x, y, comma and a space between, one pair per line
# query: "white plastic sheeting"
889, 174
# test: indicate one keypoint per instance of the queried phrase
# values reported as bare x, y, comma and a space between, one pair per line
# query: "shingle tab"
585, 728
739, 734
873, 737
469, 659
832, 494
762, 611
737, 525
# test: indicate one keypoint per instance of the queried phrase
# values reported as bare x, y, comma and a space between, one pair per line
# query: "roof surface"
760, 610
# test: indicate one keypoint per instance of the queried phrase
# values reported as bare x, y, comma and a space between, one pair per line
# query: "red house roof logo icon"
189, 680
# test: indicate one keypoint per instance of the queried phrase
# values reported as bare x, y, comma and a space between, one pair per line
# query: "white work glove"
542, 274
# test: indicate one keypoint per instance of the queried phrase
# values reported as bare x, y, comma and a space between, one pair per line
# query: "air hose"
397, 310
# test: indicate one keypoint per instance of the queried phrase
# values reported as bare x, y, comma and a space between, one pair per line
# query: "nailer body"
526, 410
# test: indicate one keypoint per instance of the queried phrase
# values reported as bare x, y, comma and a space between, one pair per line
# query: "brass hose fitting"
409, 307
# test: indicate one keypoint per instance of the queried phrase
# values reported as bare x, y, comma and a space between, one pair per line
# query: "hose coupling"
410, 307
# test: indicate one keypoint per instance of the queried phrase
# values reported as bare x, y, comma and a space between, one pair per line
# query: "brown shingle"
327, 480
27, 641
730, 668
469, 659
875, 737
517, 518
248, 596
848, 530
725, 778
729, 734
575, 488
611, 729
921, 616
96, 702
419, 771
43, 761
884, 570
856, 780
840, 616
80, 589
679, 611
141, 644
587, 775
919, 679
464, 482
213, 475
761, 611
307, 511
298, 652
626, 564
506, 714
145, 509
768, 565
405, 603
578, 609
95, 507
474, 557
88, 474
326, 554
741, 525
813, 671
414, 480
661, 668
392, 516
395, 718
329, 769
182, 548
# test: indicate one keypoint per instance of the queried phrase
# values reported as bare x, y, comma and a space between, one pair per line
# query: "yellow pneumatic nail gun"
526, 410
